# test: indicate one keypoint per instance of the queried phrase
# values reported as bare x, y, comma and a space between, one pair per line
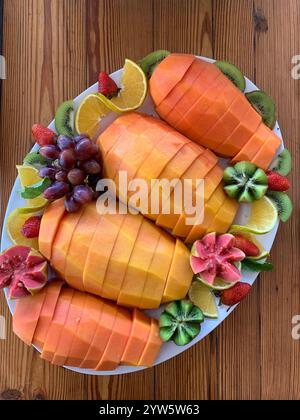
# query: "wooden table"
54, 50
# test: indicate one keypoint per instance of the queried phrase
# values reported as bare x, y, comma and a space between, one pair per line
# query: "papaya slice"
102, 335
166, 76
52, 294
51, 219
180, 275
57, 324
158, 273
138, 265
254, 144
180, 89
80, 244
241, 135
114, 350
26, 316
211, 209
67, 335
266, 154
140, 331
120, 256
62, 241
152, 347
98, 257
225, 216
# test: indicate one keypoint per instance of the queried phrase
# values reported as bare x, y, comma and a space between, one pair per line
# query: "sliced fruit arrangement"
211, 110
74, 329
124, 258
148, 149
245, 182
215, 256
23, 271
23, 226
180, 322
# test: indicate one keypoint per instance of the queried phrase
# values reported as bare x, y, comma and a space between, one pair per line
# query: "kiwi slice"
283, 163
264, 105
233, 73
283, 204
64, 119
180, 322
149, 63
245, 182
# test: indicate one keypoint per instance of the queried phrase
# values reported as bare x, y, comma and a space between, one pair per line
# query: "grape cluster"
74, 170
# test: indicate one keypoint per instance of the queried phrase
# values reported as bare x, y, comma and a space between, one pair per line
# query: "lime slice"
30, 176
262, 220
263, 253
219, 284
133, 91
14, 225
89, 115
202, 297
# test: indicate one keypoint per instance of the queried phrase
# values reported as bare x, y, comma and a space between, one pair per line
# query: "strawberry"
248, 247
43, 135
236, 294
277, 182
107, 86
31, 227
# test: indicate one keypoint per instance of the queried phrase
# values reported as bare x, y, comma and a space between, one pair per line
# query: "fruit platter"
114, 289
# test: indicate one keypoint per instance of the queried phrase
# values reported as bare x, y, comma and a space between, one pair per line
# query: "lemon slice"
202, 297
133, 90
30, 176
263, 253
219, 284
89, 115
262, 220
14, 225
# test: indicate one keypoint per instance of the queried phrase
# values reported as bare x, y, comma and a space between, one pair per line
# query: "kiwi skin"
233, 73
283, 204
64, 119
149, 63
283, 163
264, 105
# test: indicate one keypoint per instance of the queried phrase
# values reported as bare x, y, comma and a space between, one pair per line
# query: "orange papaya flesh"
62, 241
51, 219
225, 216
137, 270
80, 245
140, 331
266, 154
152, 347
166, 76
52, 294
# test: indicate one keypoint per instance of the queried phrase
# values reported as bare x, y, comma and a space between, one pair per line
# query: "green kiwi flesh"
283, 163
283, 204
64, 119
233, 73
264, 105
149, 63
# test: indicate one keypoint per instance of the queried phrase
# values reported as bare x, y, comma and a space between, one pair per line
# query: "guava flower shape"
214, 256
23, 270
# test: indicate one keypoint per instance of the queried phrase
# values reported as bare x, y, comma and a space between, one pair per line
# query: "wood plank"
239, 339
276, 22
48, 66
186, 26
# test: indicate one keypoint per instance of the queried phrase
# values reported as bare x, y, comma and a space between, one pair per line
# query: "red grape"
67, 159
95, 149
56, 190
91, 167
65, 142
71, 205
49, 172
50, 151
84, 149
82, 194
61, 176
76, 176
80, 137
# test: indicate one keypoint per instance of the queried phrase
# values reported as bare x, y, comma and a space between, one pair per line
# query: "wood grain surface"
53, 51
